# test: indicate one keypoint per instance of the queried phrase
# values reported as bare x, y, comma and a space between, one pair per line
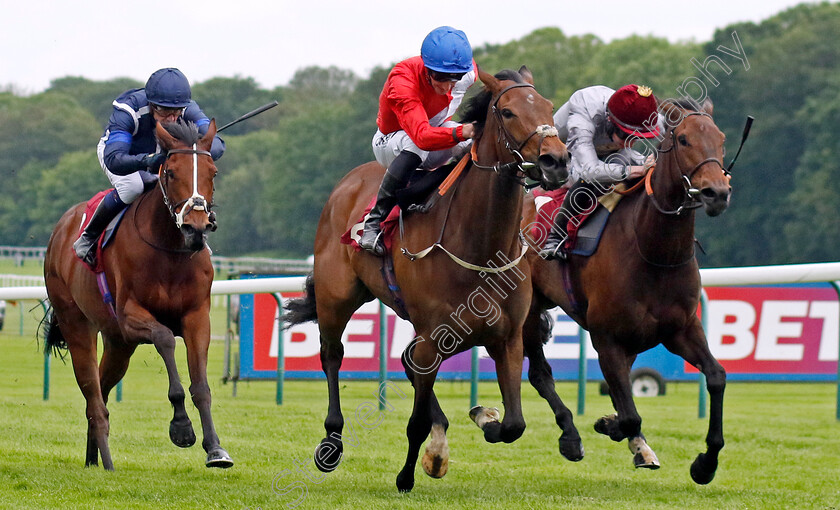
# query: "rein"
519, 166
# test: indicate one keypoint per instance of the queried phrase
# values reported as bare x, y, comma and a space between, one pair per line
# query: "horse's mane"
475, 110
184, 130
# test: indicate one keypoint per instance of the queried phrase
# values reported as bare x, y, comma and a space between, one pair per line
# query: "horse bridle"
690, 200
520, 165
196, 202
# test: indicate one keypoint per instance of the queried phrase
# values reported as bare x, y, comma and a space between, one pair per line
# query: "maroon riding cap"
633, 109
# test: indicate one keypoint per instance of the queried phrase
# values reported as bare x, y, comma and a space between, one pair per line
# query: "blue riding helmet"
447, 50
169, 88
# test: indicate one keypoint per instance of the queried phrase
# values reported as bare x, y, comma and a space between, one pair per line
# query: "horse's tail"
545, 327
302, 309
49, 331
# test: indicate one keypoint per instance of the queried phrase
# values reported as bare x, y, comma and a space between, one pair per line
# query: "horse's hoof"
181, 434
571, 449
701, 473
483, 415
435, 465
218, 458
640, 462
405, 482
328, 455
608, 425
643, 454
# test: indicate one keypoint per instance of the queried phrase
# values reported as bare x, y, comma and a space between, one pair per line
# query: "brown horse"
642, 285
159, 273
471, 289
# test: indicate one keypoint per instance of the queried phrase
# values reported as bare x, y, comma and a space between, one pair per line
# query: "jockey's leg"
580, 199
395, 178
108, 208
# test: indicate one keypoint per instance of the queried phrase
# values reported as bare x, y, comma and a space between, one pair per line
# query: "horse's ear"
526, 74
207, 139
708, 106
164, 138
489, 81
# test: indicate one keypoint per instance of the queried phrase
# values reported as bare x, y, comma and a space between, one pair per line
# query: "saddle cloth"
107, 234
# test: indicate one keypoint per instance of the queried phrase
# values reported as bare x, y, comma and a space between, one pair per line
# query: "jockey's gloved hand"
153, 161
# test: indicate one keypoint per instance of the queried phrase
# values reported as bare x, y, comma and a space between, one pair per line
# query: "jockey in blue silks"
128, 151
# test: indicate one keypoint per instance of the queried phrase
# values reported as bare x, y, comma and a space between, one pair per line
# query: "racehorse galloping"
449, 304
642, 285
159, 272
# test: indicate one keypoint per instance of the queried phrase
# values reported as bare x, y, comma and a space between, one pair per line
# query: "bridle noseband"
516, 169
196, 202
690, 200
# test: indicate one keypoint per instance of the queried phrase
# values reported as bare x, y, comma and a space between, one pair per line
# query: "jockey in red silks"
414, 120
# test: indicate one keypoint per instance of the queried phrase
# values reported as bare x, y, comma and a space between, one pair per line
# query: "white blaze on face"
531, 98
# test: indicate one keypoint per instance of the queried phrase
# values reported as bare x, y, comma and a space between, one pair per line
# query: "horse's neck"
154, 220
665, 238
488, 206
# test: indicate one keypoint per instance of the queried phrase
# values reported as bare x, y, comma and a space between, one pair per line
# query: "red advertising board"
759, 333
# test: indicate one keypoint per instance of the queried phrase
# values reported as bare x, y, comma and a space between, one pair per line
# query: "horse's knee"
716, 380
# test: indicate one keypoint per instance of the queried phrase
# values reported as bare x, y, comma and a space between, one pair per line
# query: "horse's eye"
168, 173
682, 140
508, 114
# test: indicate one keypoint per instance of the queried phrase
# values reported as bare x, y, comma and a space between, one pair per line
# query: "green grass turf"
782, 447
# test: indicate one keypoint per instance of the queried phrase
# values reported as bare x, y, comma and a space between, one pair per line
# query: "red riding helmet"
632, 108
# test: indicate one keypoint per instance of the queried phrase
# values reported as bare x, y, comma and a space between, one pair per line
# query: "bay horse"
642, 285
472, 287
159, 272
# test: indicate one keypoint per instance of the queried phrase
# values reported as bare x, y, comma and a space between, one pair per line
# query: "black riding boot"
395, 178
580, 198
108, 208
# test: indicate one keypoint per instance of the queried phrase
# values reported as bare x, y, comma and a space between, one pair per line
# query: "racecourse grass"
782, 447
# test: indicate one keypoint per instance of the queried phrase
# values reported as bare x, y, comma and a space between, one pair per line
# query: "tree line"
280, 166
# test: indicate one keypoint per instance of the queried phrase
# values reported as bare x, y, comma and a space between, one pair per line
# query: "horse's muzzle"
715, 199
194, 239
554, 170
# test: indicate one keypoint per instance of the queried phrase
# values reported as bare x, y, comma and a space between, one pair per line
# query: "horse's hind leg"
542, 379
615, 364
197, 338
139, 326
114, 363
81, 342
692, 346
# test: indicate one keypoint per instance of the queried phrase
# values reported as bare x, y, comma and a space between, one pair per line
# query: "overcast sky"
269, 40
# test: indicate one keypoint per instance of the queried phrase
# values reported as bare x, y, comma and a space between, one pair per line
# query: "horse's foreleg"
508, 358
139, 326
615, 365
421, 362
695, 350
542, 379
197, 338
435, 460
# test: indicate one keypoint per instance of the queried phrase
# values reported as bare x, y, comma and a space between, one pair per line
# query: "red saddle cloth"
91, 206
389, 228
548, 205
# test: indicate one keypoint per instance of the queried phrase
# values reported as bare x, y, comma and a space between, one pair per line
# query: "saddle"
419, 196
